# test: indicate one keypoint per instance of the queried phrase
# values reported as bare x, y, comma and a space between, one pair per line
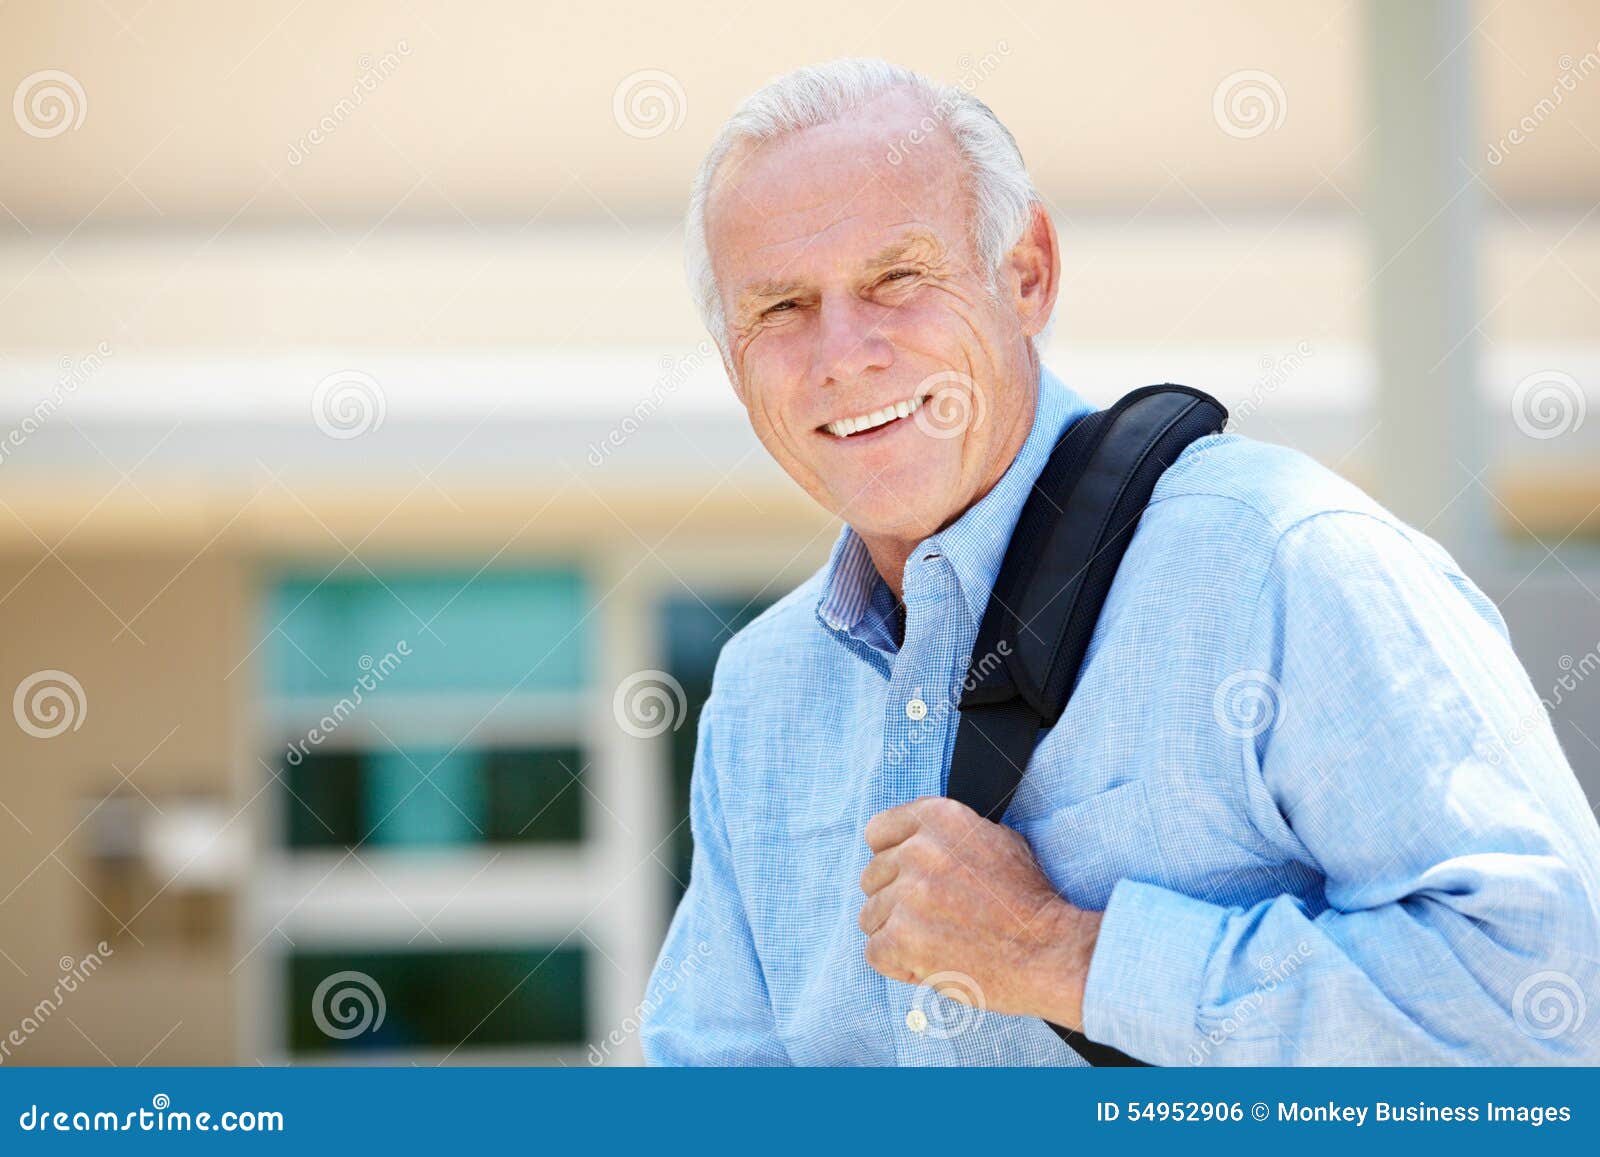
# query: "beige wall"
503, 110
159, 703
484, 195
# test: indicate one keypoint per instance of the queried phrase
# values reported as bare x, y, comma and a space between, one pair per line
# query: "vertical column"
1423, 216
628, 773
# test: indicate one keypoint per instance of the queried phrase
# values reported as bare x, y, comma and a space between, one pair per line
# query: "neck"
889, 556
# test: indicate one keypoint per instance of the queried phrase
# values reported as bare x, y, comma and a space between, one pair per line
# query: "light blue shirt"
1303, 775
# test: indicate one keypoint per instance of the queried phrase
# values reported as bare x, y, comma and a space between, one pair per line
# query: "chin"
885, 514
910, 502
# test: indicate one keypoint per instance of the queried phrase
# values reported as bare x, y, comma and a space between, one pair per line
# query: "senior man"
1304, 807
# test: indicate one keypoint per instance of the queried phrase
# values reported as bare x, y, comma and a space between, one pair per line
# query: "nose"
850, 340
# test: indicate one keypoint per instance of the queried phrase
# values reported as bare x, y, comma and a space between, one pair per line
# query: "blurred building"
372, 507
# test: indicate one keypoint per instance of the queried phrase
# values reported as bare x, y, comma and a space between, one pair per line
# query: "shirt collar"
975, 544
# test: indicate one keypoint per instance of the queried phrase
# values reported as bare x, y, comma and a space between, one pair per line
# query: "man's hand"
948, 891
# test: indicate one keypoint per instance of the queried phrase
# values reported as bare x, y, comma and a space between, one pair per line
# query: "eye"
781, 307
897, 275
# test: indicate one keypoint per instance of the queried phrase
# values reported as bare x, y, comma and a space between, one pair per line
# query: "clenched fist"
948, 891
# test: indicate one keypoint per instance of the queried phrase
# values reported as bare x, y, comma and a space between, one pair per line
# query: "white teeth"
844, 427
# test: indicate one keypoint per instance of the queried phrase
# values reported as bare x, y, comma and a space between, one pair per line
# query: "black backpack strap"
1069, 540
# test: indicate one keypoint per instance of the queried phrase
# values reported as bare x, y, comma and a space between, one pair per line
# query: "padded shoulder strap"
1069, 540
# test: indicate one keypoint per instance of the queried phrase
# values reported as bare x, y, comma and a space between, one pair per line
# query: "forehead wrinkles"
820, 238
778, 210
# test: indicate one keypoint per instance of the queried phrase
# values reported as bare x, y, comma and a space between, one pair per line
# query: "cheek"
772, 370
953, 324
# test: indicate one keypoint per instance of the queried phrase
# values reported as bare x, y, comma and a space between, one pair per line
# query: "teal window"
433, 797
696, 631
353, 659
496, 633
418, 710
434, 999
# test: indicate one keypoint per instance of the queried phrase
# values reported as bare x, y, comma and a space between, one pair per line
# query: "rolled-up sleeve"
1405, 755
707, 1001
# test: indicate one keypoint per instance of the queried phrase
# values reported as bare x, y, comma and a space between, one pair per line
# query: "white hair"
1001, 191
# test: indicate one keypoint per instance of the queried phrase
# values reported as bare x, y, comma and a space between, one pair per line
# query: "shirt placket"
919, 719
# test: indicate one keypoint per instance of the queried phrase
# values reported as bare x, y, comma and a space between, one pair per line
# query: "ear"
1034, 268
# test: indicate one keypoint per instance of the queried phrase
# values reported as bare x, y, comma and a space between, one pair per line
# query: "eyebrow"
897, 250
769, 289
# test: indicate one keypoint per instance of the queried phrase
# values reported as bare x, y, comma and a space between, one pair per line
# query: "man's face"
852, 292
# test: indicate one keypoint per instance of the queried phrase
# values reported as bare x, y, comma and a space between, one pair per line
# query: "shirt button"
916, 710
917, 1020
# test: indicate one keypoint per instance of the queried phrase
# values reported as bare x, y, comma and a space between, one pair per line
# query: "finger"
883, 957
888, 828
877, 910
948, 816
880, 872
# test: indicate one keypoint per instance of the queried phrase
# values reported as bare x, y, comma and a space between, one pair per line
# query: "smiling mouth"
861, 423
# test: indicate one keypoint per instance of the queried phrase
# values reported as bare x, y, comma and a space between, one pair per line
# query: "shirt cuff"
1145, 979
